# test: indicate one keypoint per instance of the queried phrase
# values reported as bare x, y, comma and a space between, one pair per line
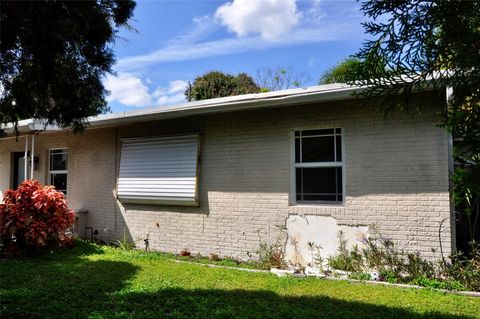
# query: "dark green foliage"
217, 84
360, 276
415, 266
465, 268
348, 260
437, 284
439, 42
421, 40
352, 70
244, 84
389, 276
53, 56
467, 192
343, 72
379, 254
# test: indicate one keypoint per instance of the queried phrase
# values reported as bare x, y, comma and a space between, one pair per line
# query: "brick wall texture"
396, 173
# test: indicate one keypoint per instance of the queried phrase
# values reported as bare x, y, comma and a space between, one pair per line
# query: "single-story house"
224, 175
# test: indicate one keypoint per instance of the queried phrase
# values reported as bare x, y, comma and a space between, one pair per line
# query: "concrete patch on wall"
320, 230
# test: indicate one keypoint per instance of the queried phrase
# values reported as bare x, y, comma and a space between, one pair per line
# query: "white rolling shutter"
159, 170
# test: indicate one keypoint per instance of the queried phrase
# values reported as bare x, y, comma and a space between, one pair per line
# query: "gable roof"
314, 94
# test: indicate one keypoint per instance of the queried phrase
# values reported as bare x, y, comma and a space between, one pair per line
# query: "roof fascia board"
224, 106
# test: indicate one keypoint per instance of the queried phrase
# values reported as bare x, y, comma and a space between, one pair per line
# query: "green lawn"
102, 282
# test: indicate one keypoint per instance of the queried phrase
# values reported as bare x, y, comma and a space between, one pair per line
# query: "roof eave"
222, 106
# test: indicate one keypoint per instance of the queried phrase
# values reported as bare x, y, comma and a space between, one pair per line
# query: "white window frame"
294, 166
51, 172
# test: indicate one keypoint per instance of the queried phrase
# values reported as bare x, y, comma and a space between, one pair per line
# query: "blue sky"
179, 40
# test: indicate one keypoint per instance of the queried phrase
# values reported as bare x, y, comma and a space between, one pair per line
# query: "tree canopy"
438, 42
53, 55
345, 71
418, 41
280, 78
217, 84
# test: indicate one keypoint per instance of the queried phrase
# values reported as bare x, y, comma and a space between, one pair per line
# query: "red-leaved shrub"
33, 217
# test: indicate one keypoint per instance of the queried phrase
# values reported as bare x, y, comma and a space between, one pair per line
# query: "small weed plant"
348, 260
360, 276
125, 243
379, 254
271, 255
317, 260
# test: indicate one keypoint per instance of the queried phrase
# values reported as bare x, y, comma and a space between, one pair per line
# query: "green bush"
390, 276
415, 266
437, 284
466, 268
395, 266
360, 276
345, 259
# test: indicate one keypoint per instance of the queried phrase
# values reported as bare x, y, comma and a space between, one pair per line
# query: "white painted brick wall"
396, 177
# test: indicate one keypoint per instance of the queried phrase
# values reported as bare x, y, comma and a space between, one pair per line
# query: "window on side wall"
58, 167
159, 170
318, 166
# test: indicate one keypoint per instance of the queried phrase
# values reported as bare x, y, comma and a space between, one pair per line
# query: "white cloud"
314, 14
271, 19
277, 20
188, 52
127, 89
171, 99
177, 86
173, 94
202, 27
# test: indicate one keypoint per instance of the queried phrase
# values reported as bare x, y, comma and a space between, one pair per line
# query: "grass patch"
227, 262
103, 282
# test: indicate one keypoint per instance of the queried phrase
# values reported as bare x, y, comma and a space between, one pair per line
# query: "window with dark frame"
319, 166
58, 169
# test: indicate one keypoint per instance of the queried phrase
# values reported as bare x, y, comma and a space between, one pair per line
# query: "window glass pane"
318, 149
319, 180
317, 132
298, 185
339, 184
339, 148
297, 150
339, 172
329, 198
320, 184
58, 160
59, 181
